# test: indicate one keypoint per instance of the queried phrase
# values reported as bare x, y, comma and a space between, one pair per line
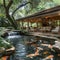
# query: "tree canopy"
24, 8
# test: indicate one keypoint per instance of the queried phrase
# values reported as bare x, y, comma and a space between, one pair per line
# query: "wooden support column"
22, 25
31, 23
37, 24
28, 25
18, 24
40, 24
58, 22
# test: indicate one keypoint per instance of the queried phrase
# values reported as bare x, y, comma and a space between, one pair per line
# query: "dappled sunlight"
29, 29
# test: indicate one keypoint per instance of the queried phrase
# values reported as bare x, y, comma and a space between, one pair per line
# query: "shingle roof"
43, 13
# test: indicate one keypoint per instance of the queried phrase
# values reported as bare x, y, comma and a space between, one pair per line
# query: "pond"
22, 49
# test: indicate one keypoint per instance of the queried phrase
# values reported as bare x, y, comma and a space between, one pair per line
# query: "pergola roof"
53, 13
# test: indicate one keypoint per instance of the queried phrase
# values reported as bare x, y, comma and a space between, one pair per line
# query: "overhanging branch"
14, 24
20, 7
4, 3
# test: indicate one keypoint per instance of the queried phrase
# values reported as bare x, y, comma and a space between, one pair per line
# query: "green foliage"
2, 12
1, 1
57, 2
4, 22
43, 5
35, 6
2, 30
4, 45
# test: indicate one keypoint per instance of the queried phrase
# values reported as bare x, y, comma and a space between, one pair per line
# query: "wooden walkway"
47, 35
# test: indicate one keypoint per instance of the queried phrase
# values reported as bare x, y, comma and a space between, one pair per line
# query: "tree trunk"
12, 21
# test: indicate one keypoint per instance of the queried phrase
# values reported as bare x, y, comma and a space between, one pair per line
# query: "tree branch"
14, 24
4, 3
9, 4
20, 7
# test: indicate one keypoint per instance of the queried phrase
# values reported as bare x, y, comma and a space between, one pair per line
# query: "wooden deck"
47, 35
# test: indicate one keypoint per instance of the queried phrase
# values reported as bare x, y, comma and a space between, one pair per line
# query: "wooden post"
37, 25
18, 24
28, 25
22, 25
31, 23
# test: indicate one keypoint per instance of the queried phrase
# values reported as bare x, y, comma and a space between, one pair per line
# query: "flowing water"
22, 49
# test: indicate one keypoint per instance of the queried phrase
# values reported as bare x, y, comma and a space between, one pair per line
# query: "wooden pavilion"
45, 17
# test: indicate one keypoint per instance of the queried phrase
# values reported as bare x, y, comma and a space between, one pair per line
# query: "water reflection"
22, 49
20, 52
